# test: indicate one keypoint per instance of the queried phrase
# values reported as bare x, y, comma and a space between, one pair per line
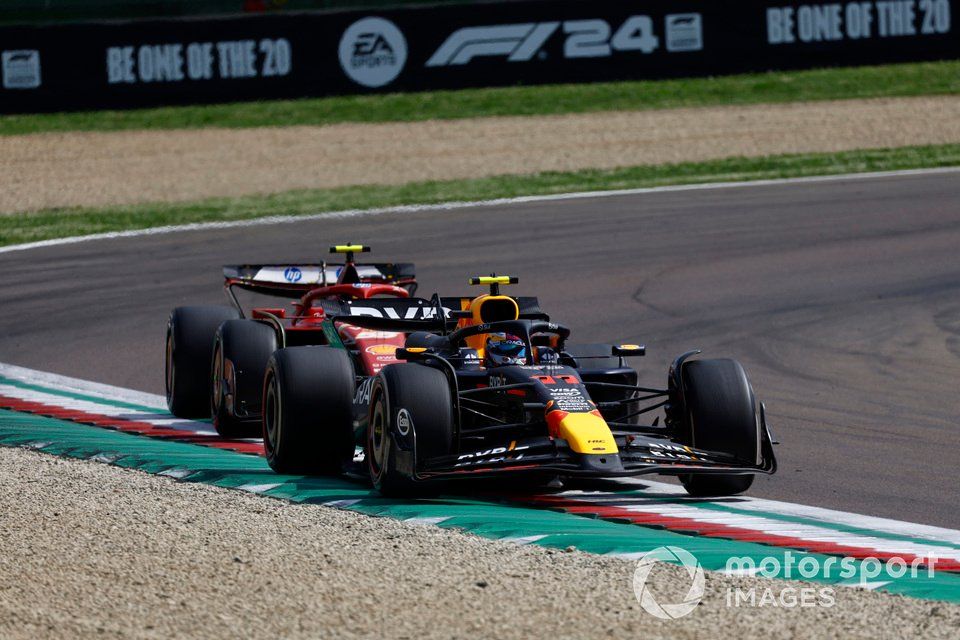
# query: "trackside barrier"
138, 63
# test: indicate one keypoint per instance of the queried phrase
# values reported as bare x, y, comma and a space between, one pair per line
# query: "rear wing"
433, 316
296, 279
529, 306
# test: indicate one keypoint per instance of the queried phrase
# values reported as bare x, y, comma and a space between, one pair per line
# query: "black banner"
124, 64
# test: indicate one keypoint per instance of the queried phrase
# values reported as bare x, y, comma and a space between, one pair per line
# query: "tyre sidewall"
242, 349
188, 355
312, 390
424, 394
720, 414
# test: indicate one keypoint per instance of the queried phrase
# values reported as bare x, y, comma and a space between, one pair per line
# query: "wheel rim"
271, 418
377, 438
216, 383
168, 370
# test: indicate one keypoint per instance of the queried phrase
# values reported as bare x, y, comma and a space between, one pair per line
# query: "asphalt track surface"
842, 299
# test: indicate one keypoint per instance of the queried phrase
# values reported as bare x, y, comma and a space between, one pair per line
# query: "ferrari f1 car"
431, 408
216, 356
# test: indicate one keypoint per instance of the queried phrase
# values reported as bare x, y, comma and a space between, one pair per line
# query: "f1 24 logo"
521, 42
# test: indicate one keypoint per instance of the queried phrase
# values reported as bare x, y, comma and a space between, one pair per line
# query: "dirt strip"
97, 169
89, 550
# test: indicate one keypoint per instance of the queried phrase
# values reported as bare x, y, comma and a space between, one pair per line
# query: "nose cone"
584, 432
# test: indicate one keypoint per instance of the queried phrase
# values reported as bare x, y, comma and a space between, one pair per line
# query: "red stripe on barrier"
719, 530
128, 426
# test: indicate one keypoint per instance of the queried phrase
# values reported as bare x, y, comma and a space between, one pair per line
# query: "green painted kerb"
490, 519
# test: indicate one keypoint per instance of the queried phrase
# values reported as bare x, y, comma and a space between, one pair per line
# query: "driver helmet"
503, 349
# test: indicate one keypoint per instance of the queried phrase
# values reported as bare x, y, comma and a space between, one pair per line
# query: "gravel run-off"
90, 550
93, 169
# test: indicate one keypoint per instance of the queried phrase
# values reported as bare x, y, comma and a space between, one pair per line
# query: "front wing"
638, 455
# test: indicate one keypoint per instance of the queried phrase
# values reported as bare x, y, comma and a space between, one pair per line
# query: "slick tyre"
308, 410
412, 403
241, 350
721, 415
189, 350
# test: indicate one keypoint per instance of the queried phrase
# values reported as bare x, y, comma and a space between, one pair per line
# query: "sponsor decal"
670, 451
362, 396
373, 52
490, 456
410, 313
523, 42
366, 334
404, 421
292, 274
199, 61
519, 42
570, 399
857, 21
683, 32
21, 69
382, 349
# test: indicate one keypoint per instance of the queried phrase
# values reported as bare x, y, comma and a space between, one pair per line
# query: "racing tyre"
308, 410
189, 349
241, 350
721, 415
409, 403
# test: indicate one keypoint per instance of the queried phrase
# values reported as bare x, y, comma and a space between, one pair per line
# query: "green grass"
821, 84
42, 225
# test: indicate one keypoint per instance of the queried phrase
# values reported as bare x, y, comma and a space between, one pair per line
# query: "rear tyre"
721, 415
308, 410
240, 354
189, 349
408, 403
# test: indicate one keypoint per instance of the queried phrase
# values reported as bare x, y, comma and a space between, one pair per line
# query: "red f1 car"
216, 356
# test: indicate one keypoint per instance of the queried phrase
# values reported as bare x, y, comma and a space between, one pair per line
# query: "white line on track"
447, 206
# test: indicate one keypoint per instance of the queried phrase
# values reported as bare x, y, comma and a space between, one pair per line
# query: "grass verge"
899, 80
59, 223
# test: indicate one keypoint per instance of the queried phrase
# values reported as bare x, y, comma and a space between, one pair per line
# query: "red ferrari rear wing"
295, 279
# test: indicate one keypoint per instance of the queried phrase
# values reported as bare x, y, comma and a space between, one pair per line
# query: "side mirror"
627, 350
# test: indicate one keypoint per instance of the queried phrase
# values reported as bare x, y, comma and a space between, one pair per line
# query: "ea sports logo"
373, 52
646, 599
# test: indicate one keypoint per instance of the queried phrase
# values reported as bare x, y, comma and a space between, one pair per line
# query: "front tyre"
720, 415
189, 350
409, 403
308, 410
